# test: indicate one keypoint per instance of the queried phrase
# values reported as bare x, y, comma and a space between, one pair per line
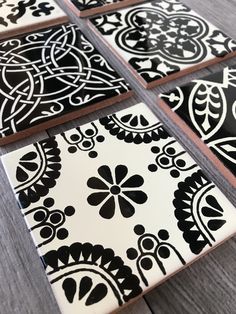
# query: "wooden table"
208, 286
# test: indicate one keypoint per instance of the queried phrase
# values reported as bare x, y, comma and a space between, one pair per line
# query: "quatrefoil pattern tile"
17, 17
162, 39
109, 225
85, 8
208, 107
50, 77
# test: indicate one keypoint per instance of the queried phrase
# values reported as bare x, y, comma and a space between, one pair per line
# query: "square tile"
18, 17
162, 40
50, 77
85, 8
207, 111
108, 225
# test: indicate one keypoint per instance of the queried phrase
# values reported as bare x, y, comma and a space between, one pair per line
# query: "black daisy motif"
114, 191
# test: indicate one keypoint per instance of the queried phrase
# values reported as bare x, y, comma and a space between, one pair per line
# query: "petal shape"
96, 183
85, 286
133, 182
69, 287
127, 209
105, 173
97, 294
120, 172
95, 199
107, 210
215, 224
138, 197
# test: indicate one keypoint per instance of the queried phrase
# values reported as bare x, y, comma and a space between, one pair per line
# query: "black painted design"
171, 157
162, 37
49, 74
47, 222
221, 44
90, 273
83, 139
208, 106
83, 5
19, 9
116, 189
152, 251
134, 128
37, 172
198, 211
171, 5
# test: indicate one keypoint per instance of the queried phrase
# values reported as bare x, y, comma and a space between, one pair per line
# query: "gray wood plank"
208, 286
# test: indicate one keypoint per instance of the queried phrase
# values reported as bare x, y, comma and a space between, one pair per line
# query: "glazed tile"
90, 7
50, 77
162, 40
207, 107
108, 225
18, 17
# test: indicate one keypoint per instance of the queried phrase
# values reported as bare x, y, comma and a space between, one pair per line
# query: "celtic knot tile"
48, 74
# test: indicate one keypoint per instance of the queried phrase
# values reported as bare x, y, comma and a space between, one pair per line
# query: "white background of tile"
208, 286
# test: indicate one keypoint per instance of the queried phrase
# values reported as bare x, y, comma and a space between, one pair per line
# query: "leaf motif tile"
162, 39
17, 17
208, 107
110, 225
52, 76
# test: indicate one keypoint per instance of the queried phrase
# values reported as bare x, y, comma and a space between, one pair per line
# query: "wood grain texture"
208, 286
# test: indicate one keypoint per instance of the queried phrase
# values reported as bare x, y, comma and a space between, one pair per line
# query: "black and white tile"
110, 225
49, 74
161, 38
24, 16
208, 107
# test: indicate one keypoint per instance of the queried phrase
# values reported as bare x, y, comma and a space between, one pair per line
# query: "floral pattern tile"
51, 74
161, 38
25, 16
208, 107
108, 226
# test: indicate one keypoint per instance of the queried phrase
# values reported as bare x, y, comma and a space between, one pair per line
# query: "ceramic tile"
162, 40
90, 7
17, 17
108, 225
50, 77
208, 107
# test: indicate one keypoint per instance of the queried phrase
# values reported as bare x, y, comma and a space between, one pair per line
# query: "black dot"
93, 154
69, 211
72, 149
148, 244
163, 234
170, 151
152, 168
89, 132
55, 218
49, 202
174, 173
115, 189
180, 163
164, 252
39, 215
164, 160
146, 263
139, 229
155, 149
75, 137
100, 138
46, 232
132, 253
62, 234
86, 144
